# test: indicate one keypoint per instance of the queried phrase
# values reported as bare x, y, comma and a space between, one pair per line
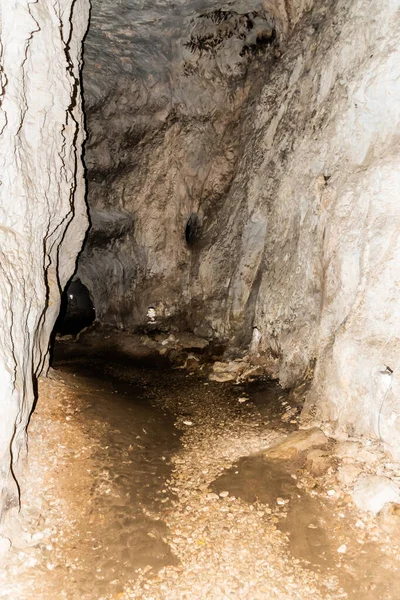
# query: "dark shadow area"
77, 310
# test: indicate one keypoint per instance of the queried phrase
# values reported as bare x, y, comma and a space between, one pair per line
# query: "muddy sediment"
150, 482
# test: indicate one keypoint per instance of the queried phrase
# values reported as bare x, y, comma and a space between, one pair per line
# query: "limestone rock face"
42, 209
165, 87
372, 492
279, 129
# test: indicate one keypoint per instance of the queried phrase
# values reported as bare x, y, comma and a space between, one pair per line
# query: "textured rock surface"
288, 155
389, 519
372, 492
297, 442
164, 141
42, 210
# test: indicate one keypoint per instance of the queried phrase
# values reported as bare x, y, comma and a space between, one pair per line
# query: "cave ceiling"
141, 39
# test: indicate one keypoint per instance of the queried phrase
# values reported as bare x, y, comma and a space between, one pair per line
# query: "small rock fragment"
192, 362
281, 501
212, 496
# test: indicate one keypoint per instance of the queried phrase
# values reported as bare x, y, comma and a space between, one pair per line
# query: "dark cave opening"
77, 310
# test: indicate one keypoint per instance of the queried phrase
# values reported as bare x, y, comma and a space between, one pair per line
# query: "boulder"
318, 462
297, 442
372, 492
228, 371
222, 377
235, 366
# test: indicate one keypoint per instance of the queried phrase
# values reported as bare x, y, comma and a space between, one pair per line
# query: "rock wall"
289, 156
42, 209
164, 141
328, 169
165, 98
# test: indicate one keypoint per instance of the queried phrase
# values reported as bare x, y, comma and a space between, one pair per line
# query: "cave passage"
77, 311
199, 208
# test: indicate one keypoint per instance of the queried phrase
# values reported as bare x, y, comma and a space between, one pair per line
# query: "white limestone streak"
42, 209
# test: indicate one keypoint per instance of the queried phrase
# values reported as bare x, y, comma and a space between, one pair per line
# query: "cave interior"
216, 191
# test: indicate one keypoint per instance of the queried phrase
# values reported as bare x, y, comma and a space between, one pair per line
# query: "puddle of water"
131, 444
255, 478
315, 531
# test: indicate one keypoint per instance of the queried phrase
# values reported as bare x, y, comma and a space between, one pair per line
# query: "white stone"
372, 492
347, 474
5, 545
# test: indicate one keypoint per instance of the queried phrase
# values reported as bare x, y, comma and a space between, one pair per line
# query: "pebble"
212, 496
360, 524
224, 494
342, 549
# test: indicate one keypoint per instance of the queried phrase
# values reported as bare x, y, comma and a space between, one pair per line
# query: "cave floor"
148, 482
